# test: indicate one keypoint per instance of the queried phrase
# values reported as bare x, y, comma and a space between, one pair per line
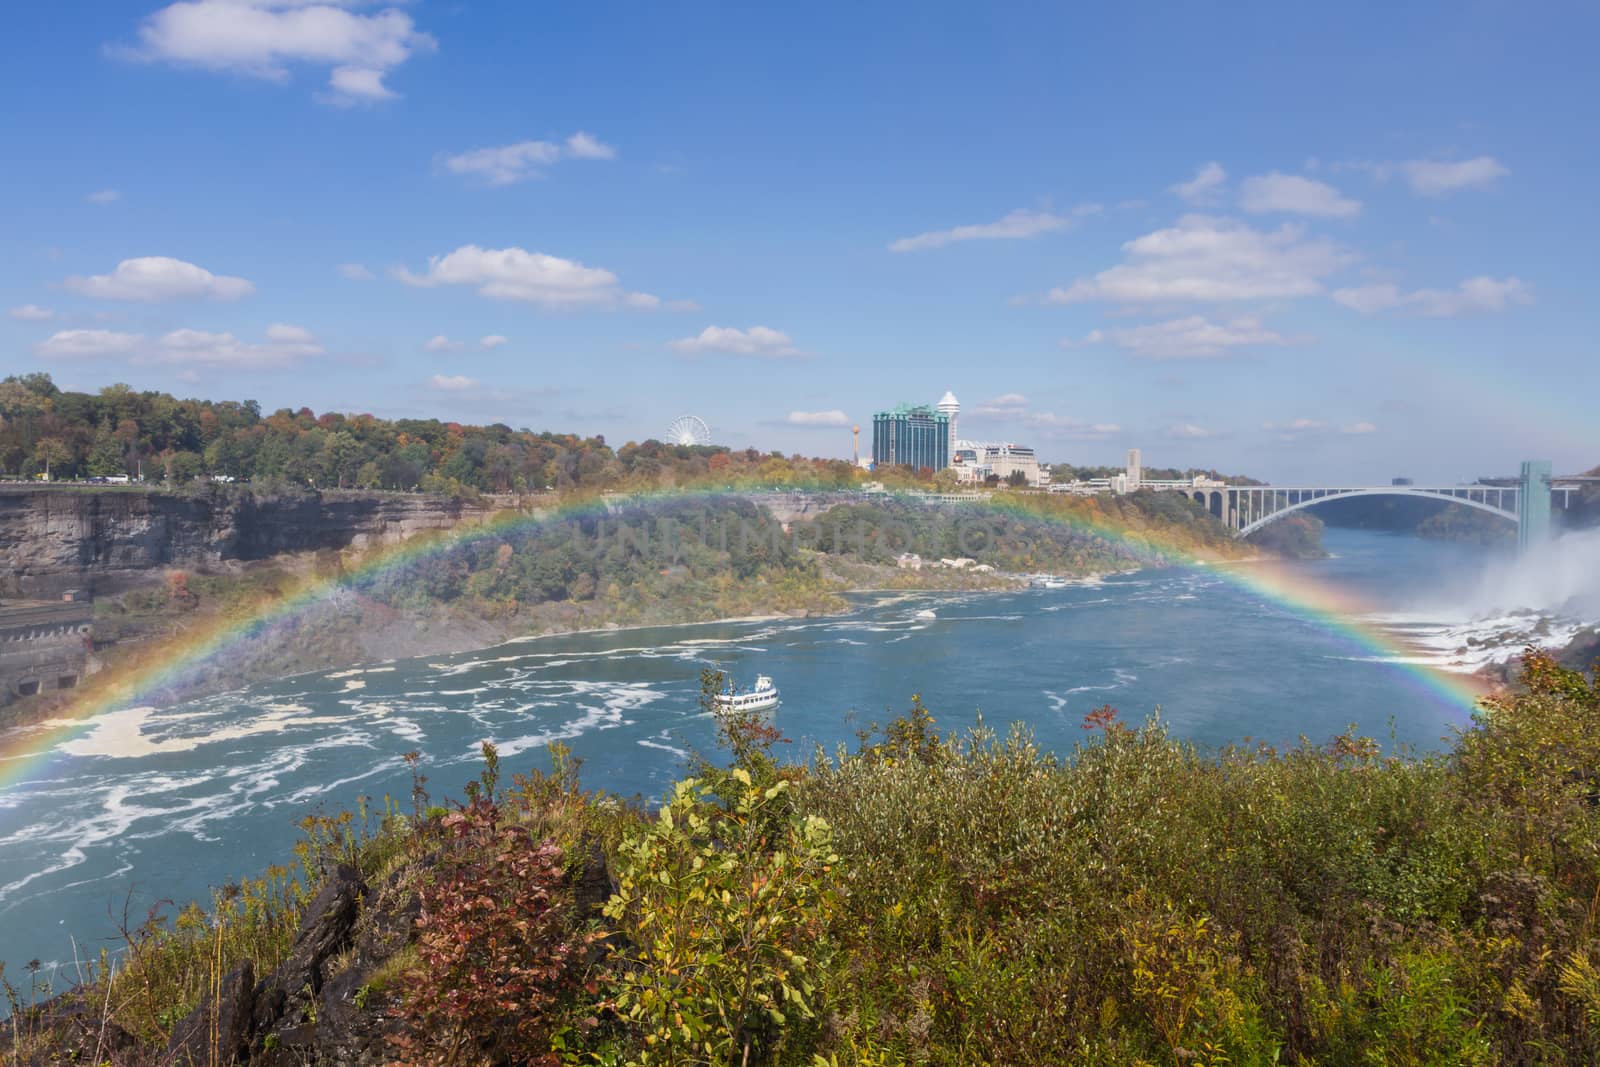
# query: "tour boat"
762, 698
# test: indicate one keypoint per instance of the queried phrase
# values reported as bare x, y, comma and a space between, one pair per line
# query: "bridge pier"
1533, 505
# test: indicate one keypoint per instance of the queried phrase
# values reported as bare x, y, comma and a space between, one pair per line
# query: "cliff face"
54, 539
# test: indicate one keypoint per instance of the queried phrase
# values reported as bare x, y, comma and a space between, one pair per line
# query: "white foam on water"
69, 859
407, 729
658, 742
311, 792
122, 734
615, 699
356, 672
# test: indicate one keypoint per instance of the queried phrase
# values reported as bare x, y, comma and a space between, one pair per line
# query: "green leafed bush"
722, 926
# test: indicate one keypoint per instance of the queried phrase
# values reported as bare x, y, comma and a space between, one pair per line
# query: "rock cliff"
101, 542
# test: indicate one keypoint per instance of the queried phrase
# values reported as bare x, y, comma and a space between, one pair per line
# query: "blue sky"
1349, 242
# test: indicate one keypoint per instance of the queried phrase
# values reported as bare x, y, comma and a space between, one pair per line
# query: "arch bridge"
1247, 508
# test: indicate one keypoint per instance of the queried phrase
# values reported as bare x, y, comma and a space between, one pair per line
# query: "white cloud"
104, 197
1205, 184
31, 313
505, 164
356, 272
834, 417
440, 343
1435, 177
72, 344
1473, 296
1304, 427
1013, 408
155, 278
756, 341
1068, 428
1093, 337
353, 84
1006, 405
517, 274
282, 333
1017, 225
582, 145
494, 340
267, 38
452, 383
1194, 336
1188, 431
1207, 258
284, 346
1291, 194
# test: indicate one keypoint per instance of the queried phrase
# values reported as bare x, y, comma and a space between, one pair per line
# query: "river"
147, 805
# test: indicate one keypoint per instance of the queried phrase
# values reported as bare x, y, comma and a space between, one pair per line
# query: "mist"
1563, 579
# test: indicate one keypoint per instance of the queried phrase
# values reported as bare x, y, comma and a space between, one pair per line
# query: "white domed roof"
949, 400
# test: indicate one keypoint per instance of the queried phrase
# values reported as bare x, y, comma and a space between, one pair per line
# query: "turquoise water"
161, 805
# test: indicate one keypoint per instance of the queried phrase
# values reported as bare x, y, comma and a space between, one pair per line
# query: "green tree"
183, 467
105, 456
51, 452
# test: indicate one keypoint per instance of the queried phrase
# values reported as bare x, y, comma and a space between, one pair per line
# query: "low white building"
975, 462
1005, 460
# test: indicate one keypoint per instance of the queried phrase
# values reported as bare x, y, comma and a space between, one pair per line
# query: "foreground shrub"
495, 942
722, 924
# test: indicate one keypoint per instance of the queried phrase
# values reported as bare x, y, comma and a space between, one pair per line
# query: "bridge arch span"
1211, 500
1398, 490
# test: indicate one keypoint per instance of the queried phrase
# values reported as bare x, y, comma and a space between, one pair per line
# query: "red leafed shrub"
1102, 718
497, 951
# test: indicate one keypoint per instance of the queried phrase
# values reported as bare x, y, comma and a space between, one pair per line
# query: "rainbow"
183, 659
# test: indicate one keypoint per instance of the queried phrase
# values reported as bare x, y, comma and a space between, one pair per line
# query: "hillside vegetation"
685, 557
120, 431
925, 898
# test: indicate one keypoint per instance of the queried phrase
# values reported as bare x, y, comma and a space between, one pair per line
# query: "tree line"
123, 432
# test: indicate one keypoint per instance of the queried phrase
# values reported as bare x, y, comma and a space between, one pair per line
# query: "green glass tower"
911, 435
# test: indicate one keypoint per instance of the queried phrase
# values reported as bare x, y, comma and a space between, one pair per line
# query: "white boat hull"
761, 702
764, 697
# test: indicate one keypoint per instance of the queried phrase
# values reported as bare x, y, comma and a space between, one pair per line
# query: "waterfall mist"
1561, 578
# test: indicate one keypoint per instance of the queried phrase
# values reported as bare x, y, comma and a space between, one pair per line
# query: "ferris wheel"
688, 430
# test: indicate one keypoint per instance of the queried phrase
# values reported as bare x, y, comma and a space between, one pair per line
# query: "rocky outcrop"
103, 541
218, 1031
